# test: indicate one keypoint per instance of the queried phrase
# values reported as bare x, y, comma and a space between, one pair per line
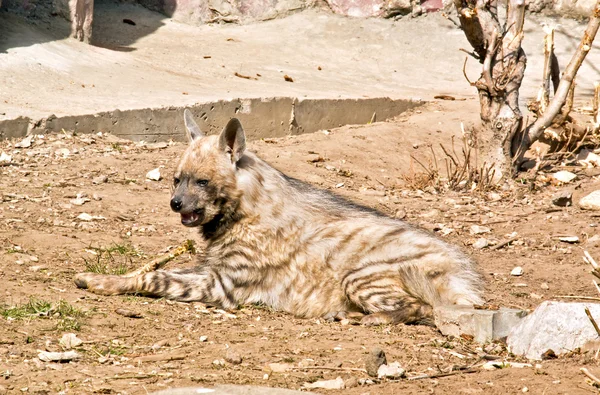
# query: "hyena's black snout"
176, 204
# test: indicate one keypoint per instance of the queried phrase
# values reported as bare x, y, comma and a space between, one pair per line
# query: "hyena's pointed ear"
193, 130
233, 139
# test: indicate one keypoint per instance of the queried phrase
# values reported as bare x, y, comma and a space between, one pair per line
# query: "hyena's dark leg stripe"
186, 287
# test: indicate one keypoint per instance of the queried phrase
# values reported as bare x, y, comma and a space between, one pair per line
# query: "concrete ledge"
261, 117
483, 325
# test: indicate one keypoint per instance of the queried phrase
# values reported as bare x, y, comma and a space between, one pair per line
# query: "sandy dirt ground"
45, 240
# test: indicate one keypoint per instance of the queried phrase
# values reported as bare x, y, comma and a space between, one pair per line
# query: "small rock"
85, 217
233, 357
588, 158
100, 180
591, 201
70, 340
154, 174
96, 197
46, 356
477, 230
569, 239
351, 382
564, 176
155, 146
481, 243
517, 271
203, 338
218, 362
25, 143
374, 360
79, 201
280, 367
400, 214
62, 152
563, 199
5, 159
544, 286
337, 384
391, 371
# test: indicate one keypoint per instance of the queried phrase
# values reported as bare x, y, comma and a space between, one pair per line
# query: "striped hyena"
278, 241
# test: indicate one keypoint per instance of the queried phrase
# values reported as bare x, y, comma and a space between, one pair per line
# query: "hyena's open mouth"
192, 219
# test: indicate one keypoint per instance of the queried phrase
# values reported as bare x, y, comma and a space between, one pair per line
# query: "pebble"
46, 356
569, 239
203, 338
391, 371
481, 243
374, 360
100, 180
590, 201
154, 174
477, 229
563, 199
400, 214
70, 340
544, 286
233, 357
337, 384
25, 143
564, 176
517, 271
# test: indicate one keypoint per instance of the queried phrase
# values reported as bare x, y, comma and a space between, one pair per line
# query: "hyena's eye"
202, 183
176, 181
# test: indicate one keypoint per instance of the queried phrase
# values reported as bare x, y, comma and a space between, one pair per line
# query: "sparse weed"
461, 168
116, 259
68, 316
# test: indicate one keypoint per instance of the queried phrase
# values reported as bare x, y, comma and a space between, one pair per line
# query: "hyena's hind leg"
185, 286
383, 295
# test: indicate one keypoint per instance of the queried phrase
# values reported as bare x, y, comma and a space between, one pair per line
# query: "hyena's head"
204, 185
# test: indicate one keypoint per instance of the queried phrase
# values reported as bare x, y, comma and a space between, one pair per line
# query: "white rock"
569, 239
564, 176
85, 217
280, 367
79, 201
517, 271
203, 338
337, 384
70, 340
25, 143
154, 174
477, 230
391, 371
5, 159
481, 243
46, 356
544, 286
62, 152
588, 158
591, 201
559, 326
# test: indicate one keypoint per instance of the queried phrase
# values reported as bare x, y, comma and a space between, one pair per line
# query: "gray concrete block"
558, 326
230, 390
483, 325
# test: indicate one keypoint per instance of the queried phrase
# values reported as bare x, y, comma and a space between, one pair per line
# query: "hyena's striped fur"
275, 240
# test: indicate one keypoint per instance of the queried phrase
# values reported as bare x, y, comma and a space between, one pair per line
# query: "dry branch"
592, 320
595, 379
162, 260
535, 131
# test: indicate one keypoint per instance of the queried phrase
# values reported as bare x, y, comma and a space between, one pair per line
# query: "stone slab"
483, 325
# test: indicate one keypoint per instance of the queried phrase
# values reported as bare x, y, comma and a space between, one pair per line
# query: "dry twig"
159, 262
595, 379
592, 320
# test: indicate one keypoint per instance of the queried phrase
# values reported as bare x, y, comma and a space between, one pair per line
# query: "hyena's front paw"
101, 284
